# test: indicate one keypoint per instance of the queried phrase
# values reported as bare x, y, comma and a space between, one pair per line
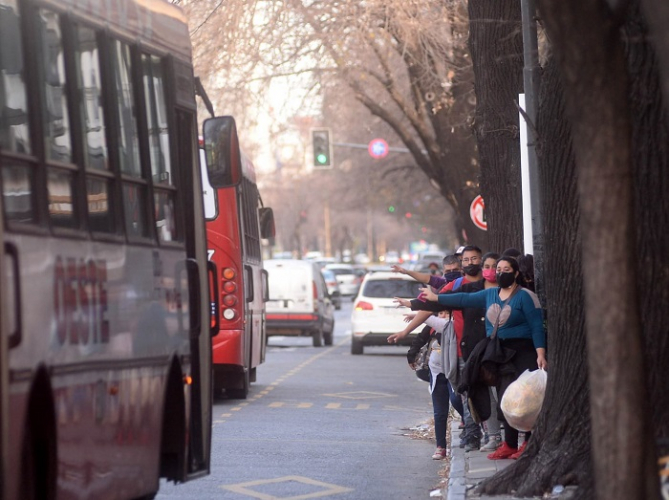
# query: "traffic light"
320, 139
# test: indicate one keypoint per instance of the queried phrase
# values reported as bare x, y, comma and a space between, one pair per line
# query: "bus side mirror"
223, 157
267, 228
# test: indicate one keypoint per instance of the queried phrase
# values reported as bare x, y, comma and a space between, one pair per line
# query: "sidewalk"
469, 469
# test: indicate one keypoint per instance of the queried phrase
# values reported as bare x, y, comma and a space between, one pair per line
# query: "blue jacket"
521, 318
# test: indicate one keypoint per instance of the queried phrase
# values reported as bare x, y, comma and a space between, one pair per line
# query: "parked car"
333, 287
375, 316
299, 302
347, 278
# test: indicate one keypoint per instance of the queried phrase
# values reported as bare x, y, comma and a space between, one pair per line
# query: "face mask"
490, 275
452, 276
472, 269
505, 280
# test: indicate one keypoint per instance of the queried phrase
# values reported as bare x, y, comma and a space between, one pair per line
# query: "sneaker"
520, 451
472, 445
493, 443
439, 454
504, 451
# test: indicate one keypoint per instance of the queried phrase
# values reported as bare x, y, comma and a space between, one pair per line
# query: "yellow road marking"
362, 407
305, 405
361, 395
226, 414
333, 406
246, 488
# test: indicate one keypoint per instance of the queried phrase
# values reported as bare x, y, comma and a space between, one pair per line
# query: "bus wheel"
243, 391
317, 337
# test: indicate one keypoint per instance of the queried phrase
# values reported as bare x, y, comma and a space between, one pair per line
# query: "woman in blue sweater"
520, 329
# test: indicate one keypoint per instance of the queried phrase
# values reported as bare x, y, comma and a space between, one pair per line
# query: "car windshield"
392, 288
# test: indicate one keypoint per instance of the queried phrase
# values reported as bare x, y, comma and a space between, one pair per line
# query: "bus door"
196, 253
5, 306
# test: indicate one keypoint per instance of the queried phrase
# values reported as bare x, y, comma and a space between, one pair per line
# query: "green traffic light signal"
391, 209
320, 140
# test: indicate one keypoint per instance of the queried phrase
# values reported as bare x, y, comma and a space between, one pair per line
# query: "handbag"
422, 362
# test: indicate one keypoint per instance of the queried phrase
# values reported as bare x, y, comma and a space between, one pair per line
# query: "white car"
375, 316
347, 278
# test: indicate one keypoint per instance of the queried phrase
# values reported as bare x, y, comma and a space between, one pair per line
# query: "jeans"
492, 424
472, 429
440, 398
456, 400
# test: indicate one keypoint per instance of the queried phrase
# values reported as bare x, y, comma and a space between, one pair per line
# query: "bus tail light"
228, 293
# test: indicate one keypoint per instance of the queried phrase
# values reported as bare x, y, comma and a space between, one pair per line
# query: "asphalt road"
321, 423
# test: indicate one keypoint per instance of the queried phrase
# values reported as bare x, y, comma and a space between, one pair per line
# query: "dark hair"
526, 266
511, 252
450, 259
490, 255
472, 248
514, 265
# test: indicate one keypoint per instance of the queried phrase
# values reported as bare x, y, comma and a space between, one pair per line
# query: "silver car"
347, 279
333, 287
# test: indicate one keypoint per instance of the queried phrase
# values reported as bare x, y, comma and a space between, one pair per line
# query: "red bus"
236, 222
105, 376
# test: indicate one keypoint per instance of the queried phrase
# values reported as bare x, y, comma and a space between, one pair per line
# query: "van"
299, 303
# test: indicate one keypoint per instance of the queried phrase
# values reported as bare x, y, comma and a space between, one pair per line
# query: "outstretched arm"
420, 277
420, 318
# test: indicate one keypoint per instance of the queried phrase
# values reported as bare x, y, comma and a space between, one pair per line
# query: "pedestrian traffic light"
391, 209
320, 139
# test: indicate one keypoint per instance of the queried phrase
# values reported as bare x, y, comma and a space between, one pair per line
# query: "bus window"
98, 199
17, 194
165, 223
159, 142
14, 133
125, 101
90, 95
61, 203
134, 202
57, 123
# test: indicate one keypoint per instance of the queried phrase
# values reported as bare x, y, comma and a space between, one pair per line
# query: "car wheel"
328, 337
338, 305
243, 391
317, 337
356, 346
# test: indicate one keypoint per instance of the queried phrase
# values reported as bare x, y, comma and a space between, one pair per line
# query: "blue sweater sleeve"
460, 300
533, 314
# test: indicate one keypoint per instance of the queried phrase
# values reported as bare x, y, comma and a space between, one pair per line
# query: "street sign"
378, 148
477, 213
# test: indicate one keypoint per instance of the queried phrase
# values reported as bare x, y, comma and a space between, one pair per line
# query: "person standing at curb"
520, 329
471, 261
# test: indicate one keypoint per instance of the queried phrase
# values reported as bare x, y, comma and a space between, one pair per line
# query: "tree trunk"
650, 138
496, 46
559, 452
590, 55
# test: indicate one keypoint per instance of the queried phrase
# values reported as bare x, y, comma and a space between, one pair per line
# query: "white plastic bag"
522, 400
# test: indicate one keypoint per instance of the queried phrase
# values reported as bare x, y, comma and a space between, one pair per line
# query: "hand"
541, 362
395, 337
398, 269
409, 317
402, 302
428, 294
412, 366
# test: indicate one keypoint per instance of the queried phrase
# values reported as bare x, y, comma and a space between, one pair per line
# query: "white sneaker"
493, 443
439, 454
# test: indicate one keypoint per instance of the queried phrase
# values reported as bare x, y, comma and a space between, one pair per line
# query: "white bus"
105, 372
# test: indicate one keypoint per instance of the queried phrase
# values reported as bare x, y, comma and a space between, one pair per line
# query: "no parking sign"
477, 213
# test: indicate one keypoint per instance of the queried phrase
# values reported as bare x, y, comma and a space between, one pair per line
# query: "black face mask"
452, 276
505, 280
472, 269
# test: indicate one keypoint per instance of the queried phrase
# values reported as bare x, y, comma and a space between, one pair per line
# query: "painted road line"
326, 490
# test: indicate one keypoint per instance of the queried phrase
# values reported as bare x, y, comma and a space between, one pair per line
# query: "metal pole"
531, 84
